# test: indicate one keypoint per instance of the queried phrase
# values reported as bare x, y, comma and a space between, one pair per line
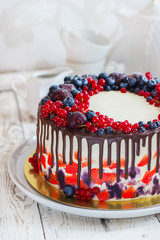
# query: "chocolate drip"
57, 158
149, 151
52, 142
109, 151
126, 157
89, 160
158, 153
91, 140
79, 160
101, 159
64, 149
44, 139
41, 141
144, 141
133, 158
47, 136
37, 148
118, 160
71, 150
138, 148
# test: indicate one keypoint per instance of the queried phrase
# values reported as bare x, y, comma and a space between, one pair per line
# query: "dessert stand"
35, 187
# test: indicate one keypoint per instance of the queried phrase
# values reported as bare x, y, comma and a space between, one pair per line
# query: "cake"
98, 137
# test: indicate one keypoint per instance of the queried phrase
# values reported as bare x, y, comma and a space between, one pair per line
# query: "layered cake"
98, 136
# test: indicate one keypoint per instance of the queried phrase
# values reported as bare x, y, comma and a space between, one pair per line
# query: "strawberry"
143, 161
49, 159
129, 193
71, 180
43, 161
72, 169
148, 175
53, 179
103, 196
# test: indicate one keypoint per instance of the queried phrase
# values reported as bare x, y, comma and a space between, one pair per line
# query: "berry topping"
103, 75
90, 115
76, 120
68, 87
68, 102
68, 191
60, 94
119, 77
132, 82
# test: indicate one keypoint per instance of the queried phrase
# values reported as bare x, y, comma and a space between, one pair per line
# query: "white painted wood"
19, 215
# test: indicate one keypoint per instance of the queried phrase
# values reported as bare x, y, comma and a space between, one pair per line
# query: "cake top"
68, 105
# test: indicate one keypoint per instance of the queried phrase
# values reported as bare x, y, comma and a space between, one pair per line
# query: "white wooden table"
22, 218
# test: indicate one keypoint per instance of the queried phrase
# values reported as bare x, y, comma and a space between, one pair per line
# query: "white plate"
16, 172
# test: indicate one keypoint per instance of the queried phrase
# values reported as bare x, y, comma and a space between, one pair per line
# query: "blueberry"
153, 92
100, 131
44, 100
142, 80
115, 87
68, 191
139, 191
67, 79
84, 82
132, 82
149, 122
145, 88
53, 87
151, 83
136, 90
110, 81
74, 92
90, 115
152, 125
52, 116
109, 130
148, 98
79, 89
157, 80
155, 181
131, 90
141, 129
123, 85
76, 119
68, 101
141, 124
158, 123
107, 88
103, 75
76, 82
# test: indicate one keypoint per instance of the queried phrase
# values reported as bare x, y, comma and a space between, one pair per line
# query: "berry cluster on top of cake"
96, 143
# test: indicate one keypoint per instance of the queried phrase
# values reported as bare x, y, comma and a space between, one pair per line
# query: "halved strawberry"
143, 161
53, 179
129, 193
49, 159
43, 161
103, 196
148, 175
71, 180
72, 169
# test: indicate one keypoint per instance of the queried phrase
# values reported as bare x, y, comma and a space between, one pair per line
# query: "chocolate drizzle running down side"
133, 140
44, 139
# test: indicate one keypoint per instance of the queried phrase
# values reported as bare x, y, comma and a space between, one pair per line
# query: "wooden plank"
19, 218
58, 225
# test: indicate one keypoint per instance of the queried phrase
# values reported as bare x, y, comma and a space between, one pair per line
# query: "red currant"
101, 81
123, 90
95, 190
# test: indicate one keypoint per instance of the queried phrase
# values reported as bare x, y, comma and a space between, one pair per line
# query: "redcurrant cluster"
86, 194
34, 162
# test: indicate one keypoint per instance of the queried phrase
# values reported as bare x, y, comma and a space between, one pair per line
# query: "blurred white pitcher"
37, 85
85, 46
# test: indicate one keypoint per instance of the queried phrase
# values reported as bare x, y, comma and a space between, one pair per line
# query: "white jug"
142, 39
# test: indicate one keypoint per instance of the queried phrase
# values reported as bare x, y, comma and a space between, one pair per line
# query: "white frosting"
124, 106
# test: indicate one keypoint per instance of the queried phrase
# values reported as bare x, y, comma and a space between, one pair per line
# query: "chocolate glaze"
137, 139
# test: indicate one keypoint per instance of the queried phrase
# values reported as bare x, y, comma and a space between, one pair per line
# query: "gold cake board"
42, 186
